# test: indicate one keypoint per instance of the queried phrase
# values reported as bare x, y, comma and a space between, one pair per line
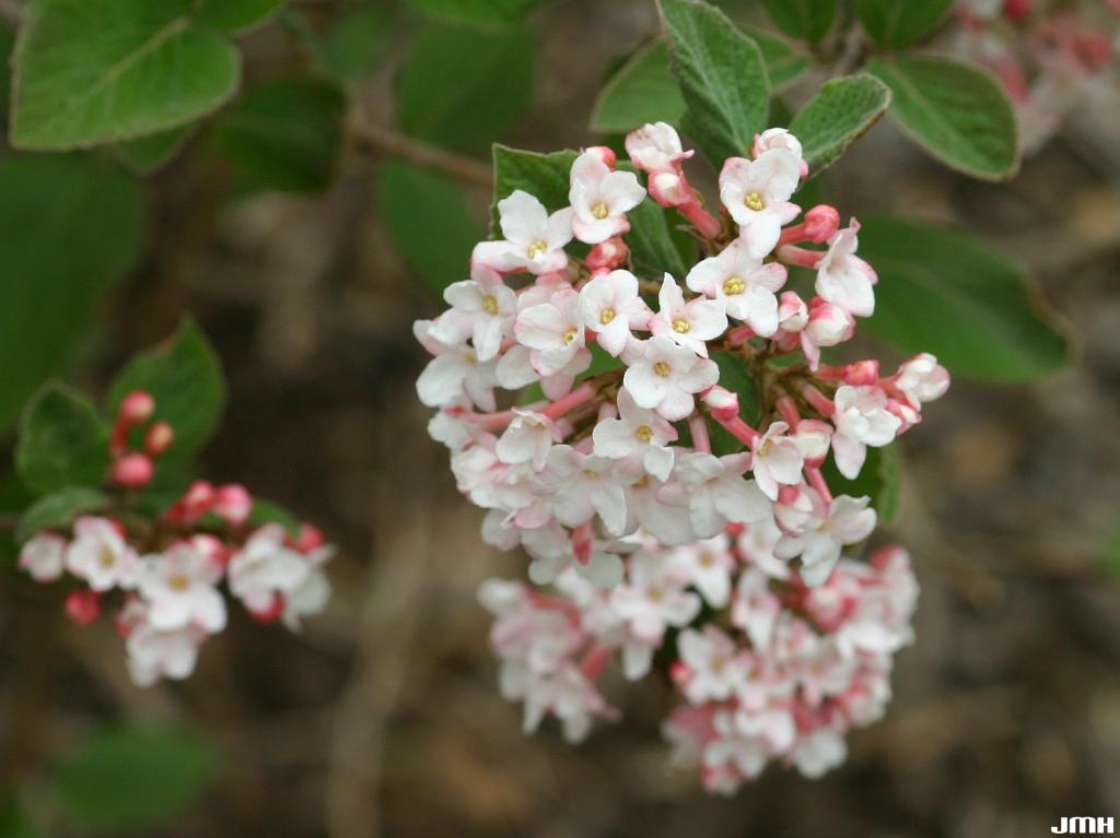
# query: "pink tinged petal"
742, 502
647, 387
541, 327
761, 234
818, 559
676, 404
658, 461
499, 255
441, 382
609, 501
759, 309
559, 230
850, 455
523, 218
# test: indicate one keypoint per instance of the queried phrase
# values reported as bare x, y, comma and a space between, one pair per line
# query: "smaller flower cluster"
1048, 55
163, 577
781, 675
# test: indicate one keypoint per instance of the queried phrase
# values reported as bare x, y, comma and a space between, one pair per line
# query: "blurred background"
383, 717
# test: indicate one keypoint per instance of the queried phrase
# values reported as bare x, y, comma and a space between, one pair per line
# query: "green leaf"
97, 71
7, 45
135, 778
238, 15
357, 41
879, 479
547, 176
428, 222
656, 245
484, 13
807, 20
842, 112
643, 90
14, 821
957, 112
735, 375
901, 23
721, 75
62, 441
784, 64
185, 378
269, 512
949, 293
286, 133
460, 88
70, 229
59, 509
146, 155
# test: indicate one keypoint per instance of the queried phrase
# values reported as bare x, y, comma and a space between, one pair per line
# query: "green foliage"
70, 228
722, 78
185, 378
135, 778
482, 13
97, 71
358, 39
428, 222
957, 112
951, 294
238, 15
59, 509
643, 90
146, 155
461, 88
808, 20
14, 821
784, 63
268, 512
901, 23
544, 175
62, 442
286, 133
880, 479
842, 112
657, 245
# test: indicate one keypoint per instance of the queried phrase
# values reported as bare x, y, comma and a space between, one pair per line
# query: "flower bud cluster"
162, 577
1048, 55
631, 445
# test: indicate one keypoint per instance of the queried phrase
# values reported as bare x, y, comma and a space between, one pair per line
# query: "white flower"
44, 557
534, 240
179, 587
744, 285
707, 564
757, 194
848, 521
266, 567
714, 667
639, 439
780, 138
309, 597
554, 331
861, 419
922, 379
601, 198
527, 439
777, 459
455, 373
828, 325
819, 752
100, 555
581, 485
653, 598
688, 324
664, 376
482, 309
656, 148
845, 279
715, 492
611, 307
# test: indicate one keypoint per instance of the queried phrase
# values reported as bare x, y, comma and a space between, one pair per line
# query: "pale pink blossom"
534, 240
861, 418
689, 324
100, 555
44, 557
664, 376
611, 308
756, 194
601, 198
743, 284
845, 279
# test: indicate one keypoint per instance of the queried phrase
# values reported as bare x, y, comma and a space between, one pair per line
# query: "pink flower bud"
605, 154
159, 439
862, 373
1016, 9
194, 504
233, 503
311, 538
83, 607
669, 189
608, 255
271, 614
132, 470
723, 403
821, 223
793, 314
829, 324
137, 407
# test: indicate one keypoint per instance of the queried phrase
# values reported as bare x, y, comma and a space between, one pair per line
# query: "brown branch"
12, 12
382, 139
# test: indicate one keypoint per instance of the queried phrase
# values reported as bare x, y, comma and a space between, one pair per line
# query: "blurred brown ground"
383, 716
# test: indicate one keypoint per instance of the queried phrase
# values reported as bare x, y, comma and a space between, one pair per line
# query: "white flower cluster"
629, 445
169, 600
792, 671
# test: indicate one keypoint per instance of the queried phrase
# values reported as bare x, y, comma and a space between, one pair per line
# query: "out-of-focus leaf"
784, 64
286, 133
461, 88
70, 229
643, 90
145, 155
62, 441
270, 512
952, 294
483, 13
656, 245
357, 41
901, 23
135, 778
14, 820
808, 20
427, 219
842, 112
60, 508
957, 112
97, 71
238, 15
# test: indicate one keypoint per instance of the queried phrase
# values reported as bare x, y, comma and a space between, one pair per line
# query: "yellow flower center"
753, 201
662, 369
570, 335
490, 304
707, 559
655, 593
607, 315
178, 583
537, 248
601, 210
644, 433
765, 448
106, 557
681, 326
735, 285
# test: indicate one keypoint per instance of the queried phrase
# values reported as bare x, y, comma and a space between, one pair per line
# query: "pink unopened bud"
829, 324
137, 407
1016, 9
723, 404
83, 607
132, 470
793, 314
669, 189
159, 439
821, 223
233, 503
310, 538
608, 255
862, 373
272, 613
194, 504
605, 154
